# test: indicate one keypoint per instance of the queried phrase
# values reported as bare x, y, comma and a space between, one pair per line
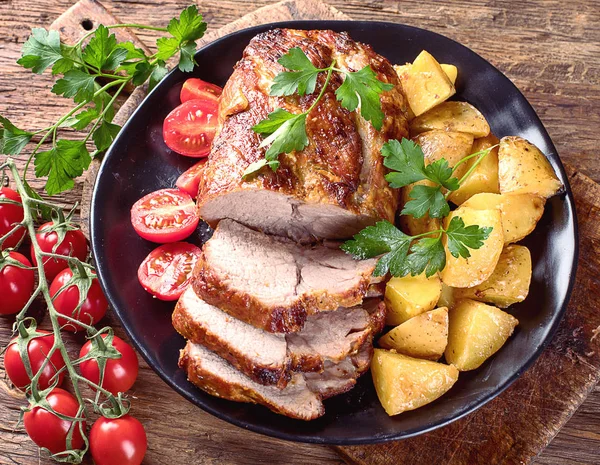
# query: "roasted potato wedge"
523, 169
415, 226
484, 178
476, 332
451, 71
423, 336
508, 284
453, 146
410, 296
404, 383
520, 212
469, 272
425, 83
452, 116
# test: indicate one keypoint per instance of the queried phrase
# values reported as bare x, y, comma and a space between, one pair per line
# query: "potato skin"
508, 284
423, 336
523, 168
404, 383
476, 332
452, 116
410, 296
469, 272
453, 146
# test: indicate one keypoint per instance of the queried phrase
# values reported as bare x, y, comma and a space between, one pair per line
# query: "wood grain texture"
549, 49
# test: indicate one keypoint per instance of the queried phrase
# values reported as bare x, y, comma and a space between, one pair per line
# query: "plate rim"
379, 438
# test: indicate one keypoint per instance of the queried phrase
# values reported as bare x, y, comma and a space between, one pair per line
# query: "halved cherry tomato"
190, 179
49, 431
119, 373
74, 244
37, 349
91, 311
10, 215
165, 215
16, 284
165, 272
195, 88
119, 441
190, 128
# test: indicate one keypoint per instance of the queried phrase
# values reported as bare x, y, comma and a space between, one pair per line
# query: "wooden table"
551, 50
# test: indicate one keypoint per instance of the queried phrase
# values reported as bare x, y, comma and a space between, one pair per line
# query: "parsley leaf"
12, 139
302, 80
41, 50
104, 135
158, 73
363, 88
440, 172
77, 84
426, 199
427, 255
461, 238
102, 52
64, 162
406, 160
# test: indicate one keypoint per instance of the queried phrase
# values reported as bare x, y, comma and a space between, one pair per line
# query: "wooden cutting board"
516, 426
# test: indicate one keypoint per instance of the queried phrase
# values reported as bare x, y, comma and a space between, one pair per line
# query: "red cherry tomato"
166, 215
16, 284
190, 179
37, 349
10, 215
119, 441
165, 272
49, 431
74, 245
91, 312
190, 128
195, 88
119, 373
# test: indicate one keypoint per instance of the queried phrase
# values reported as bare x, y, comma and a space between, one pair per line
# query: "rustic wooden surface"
551, 51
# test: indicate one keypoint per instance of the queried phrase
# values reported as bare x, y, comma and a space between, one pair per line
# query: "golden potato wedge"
476, 332
404, 383
508, 284
425, 83
520, 212
523, 168
446, 297
415, 226
469, 272
452, 116
423, 336
410, 296
484, 178
453, 146
451, 71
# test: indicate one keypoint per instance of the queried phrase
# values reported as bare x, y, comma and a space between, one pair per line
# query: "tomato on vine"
47, 430
72, 244
10, 215
119, 373
118, 441
38, 349
16, 283
93, 307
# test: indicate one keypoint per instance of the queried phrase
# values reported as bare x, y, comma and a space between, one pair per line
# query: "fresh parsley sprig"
402, 254
93, 75
285, 131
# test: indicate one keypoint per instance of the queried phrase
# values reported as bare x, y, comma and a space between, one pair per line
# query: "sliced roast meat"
217, 377
335, 186
275, 284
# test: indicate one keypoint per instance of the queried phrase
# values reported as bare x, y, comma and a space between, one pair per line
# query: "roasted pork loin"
335, 186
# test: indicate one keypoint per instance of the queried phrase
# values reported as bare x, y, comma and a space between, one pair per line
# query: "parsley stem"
104, 110
323, 89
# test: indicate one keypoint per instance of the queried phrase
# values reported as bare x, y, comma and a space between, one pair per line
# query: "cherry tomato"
91, 312
10, 214
119, 441
37, 349
74, 245
190, 179
49, 431
119, 373
195, 88
165, 272
16, 284
190, 128
166, 215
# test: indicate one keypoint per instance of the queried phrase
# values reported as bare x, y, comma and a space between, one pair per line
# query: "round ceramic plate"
139, 162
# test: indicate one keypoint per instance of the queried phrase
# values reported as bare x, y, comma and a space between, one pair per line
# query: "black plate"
139, 163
